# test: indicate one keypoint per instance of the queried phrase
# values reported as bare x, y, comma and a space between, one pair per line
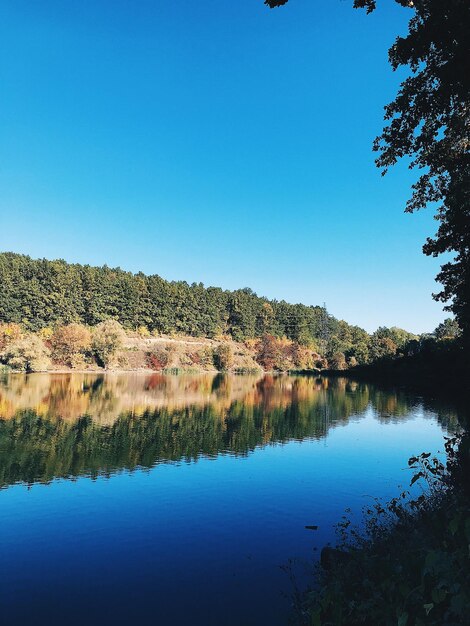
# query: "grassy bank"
410, 565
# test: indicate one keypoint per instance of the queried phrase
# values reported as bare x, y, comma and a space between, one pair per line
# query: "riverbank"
410, 563
409, 566
441, 368
110, 347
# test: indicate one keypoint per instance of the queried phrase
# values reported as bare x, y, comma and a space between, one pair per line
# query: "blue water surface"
198, 538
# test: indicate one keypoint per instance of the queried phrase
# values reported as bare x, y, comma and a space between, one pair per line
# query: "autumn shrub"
303, 357
70, 343
143, 332
184, 357
251, 344
27, 353
223, 357
274, 353
268, 352
8, 333
158, 358
123, 361
203, 358
107, 338
46, 334
206, 357
195, 357
337, 361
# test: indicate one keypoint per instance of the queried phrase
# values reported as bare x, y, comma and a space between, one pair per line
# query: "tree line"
40, 447
61, 302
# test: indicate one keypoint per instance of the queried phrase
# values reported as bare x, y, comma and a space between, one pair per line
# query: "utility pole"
324, 329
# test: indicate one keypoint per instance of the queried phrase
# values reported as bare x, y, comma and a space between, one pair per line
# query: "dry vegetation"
108, 346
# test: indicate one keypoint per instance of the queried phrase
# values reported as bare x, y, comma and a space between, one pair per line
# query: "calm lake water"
171, 500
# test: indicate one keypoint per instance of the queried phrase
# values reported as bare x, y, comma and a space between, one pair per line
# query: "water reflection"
68, 425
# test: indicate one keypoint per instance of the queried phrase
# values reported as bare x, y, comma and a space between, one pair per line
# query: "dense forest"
42, 294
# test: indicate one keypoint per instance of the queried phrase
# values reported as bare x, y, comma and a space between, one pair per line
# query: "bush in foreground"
411, 565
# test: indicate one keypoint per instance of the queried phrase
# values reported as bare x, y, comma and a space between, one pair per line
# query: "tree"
449, 329
107, 338
70, 343
223, 357
265, 319
360, 352
381, 347
429, 123
337, 361
399, 336
26, 353
269, 353
242, 314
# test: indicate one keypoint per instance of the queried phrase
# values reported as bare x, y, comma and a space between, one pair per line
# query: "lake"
171, 500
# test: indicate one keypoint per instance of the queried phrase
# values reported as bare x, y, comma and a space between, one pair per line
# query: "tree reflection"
68, 425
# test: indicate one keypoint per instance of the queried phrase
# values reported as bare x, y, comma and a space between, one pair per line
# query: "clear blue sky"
213, 141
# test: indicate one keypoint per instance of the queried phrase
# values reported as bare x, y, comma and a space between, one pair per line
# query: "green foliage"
88, 296
449, 329
399, 336
429, 122
26, 353
42, 294
107, 338
53, 294
360, 352
381, 348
